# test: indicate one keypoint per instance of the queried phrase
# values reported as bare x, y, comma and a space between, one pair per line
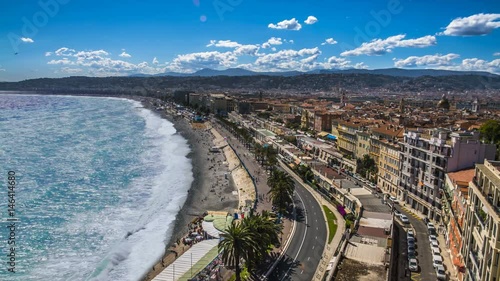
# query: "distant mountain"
396, 72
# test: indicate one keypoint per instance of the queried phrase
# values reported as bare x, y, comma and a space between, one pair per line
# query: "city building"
454, 209
425, 159
481, 239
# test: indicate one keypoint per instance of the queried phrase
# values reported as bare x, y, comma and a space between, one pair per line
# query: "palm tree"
282, 188
237, 243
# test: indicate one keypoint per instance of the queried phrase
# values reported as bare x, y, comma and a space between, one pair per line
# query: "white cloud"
273, 49
251, 50
98, 63
496, 54
155, 61
223, 44
329, 41
378, 47
291, 24
428, 60
311, 20
2, 69
475, 64
124, 55
291, 41
27, 40
64, 52
272, 41
479, 24
288, 60
195, 61
70, 70
48, 54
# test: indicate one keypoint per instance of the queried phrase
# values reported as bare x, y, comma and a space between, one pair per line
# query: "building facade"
481, 241
426, 157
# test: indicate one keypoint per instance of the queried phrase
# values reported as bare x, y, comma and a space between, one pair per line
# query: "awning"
332, 137
322, 134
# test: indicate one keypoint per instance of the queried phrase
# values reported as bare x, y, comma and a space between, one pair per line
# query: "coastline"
206, 188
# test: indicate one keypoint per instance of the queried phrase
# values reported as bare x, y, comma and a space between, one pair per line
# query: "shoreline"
206, 178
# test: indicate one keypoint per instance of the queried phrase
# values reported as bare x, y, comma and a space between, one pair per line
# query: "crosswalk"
410, 212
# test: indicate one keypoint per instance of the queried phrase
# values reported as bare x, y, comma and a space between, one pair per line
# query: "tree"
490, 131
366, 165
282, 188
238, 242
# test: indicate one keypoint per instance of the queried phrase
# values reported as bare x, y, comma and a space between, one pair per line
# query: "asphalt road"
306, 248
424, 257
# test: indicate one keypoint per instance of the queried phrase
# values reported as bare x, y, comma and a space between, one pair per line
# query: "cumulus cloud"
496, 54
48, 54
378, 47
448, 62
272, 41
479, 24
98, 63
195, 61
124, 55
27, 40
291, 24
311, 20
155, 61
329, 41
428, 60
223, 44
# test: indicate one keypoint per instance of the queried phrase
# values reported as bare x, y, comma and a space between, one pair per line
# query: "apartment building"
347, 138
388, 166
363, 144
427, 156
454, 209
481, 240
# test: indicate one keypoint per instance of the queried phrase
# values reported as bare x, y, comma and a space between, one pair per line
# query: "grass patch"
332, 223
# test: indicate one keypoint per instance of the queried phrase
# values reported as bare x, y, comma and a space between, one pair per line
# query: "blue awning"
332, 137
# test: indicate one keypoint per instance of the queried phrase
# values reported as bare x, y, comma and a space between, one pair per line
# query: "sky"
61, 38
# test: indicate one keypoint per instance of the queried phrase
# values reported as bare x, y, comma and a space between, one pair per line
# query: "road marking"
301, 243
308, 258
313, 246
302, 271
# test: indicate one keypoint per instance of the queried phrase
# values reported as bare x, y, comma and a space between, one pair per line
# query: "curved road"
306, 247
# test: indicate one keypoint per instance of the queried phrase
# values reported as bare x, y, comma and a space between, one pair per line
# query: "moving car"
440, 273
413, 265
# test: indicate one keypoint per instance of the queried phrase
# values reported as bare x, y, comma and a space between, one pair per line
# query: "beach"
216, 176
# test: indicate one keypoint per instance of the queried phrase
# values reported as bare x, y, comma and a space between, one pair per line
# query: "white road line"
303, 239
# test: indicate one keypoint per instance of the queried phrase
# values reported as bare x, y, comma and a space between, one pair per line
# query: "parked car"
426, 220
410, 233
404, 219
397, 213
440, 273
394, 200
437, 260
413, 264
378, 189
434, 241
411, 243
435, 250
411, 252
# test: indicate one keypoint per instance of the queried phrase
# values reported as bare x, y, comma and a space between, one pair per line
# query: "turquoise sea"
99, 183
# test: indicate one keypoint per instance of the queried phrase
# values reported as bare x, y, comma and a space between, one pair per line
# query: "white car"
434, 241
413, 265
440, 273
435, 250
394, 200
410, 234
404, 219
437, 260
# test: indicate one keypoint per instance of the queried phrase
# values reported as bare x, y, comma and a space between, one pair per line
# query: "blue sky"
59, 38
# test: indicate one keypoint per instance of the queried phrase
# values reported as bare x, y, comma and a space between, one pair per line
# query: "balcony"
474, 259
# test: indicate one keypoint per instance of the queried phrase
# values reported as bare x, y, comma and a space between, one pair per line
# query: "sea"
98, 184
